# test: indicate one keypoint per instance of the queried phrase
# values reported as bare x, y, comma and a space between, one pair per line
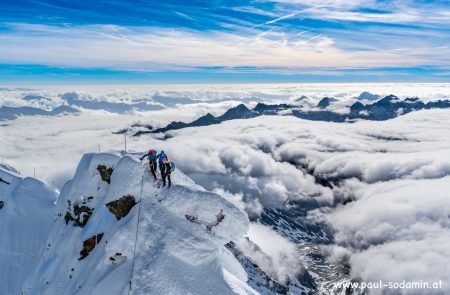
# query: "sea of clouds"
388, 199
388, 208
171, 95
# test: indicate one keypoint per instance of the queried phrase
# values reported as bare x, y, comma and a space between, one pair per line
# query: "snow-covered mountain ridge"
26, 216
85, 242
386, 108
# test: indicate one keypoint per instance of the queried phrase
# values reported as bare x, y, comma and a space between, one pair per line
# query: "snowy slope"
173, 255
26, 217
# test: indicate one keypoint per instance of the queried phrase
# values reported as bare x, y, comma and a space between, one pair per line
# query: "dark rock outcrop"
78, 213
9, 168
209, 225
219, 218
4, 181
121, 207
89, 245
105, 173
117, 258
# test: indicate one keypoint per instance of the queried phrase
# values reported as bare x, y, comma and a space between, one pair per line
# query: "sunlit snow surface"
382, 187
173, 256
25, 220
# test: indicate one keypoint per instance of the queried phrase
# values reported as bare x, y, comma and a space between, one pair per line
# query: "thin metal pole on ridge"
125, 136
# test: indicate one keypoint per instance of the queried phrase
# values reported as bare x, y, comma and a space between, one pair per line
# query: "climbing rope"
130, 289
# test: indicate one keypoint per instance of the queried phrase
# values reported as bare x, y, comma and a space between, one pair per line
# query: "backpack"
152, 155
172, 166
162, 159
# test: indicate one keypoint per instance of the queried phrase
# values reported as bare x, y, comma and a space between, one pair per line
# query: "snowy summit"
114, 230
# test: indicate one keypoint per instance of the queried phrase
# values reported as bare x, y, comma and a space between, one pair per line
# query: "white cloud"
396, 231
278, 19
157, 49
391, 12
274, 254
396, 226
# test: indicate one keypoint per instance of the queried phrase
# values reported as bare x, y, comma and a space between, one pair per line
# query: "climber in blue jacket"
160, 157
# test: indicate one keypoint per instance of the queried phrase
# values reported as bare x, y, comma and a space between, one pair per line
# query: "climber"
152, 161
167, 169
160, 157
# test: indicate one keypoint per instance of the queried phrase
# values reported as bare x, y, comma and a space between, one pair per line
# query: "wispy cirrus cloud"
391, 12
154, 48
275, 36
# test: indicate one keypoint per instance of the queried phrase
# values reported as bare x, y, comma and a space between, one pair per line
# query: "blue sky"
108, 41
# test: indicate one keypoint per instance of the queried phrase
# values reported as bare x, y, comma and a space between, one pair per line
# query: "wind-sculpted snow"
26, 217
173, 255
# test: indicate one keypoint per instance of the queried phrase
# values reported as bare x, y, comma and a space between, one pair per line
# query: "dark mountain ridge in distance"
10, 113
386, 108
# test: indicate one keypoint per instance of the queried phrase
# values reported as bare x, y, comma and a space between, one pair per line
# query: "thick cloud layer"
396, 173
173, 95
240, 158
383, 185
397, 230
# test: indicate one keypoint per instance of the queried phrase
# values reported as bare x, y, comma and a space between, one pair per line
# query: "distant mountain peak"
325, 102
241, 107
386, 108
303, 97
368, 96
356, 106
208, 115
